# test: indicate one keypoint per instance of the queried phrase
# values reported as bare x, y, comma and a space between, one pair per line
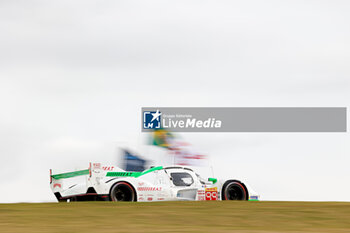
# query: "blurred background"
74, 76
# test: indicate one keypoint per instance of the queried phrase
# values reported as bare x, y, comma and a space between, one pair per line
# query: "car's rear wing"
92, 176
56, 180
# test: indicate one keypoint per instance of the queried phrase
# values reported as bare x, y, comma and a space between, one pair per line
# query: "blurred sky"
75, 74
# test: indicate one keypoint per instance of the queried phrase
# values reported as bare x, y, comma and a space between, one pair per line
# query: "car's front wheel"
234, 190
122, 191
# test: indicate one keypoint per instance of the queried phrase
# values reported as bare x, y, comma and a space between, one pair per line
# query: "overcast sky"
75, 74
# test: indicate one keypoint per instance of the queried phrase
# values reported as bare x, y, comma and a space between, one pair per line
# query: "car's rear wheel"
122, 191
234, 190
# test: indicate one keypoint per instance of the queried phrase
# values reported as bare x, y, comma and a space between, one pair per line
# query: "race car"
177, 183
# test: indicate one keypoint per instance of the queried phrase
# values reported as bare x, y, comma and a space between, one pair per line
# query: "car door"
184, 184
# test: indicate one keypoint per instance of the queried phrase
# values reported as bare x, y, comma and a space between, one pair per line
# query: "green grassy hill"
225, 216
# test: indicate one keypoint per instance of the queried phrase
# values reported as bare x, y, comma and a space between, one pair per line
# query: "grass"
224, 216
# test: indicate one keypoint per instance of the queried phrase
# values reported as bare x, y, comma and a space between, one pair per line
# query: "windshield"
181, 178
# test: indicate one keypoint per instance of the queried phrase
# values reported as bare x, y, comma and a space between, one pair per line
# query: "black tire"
122, 191
234, 190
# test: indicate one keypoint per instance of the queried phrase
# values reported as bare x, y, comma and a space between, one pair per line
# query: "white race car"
110, 183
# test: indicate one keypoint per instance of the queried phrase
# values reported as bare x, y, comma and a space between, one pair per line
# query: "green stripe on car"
70, 174
133, 174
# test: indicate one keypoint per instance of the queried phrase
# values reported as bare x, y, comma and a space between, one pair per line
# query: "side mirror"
214, 180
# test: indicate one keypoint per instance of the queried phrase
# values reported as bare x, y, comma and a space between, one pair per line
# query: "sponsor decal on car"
253, 198
201, 195
107, 168
57, 185
211, 194
120, 173
149, 189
